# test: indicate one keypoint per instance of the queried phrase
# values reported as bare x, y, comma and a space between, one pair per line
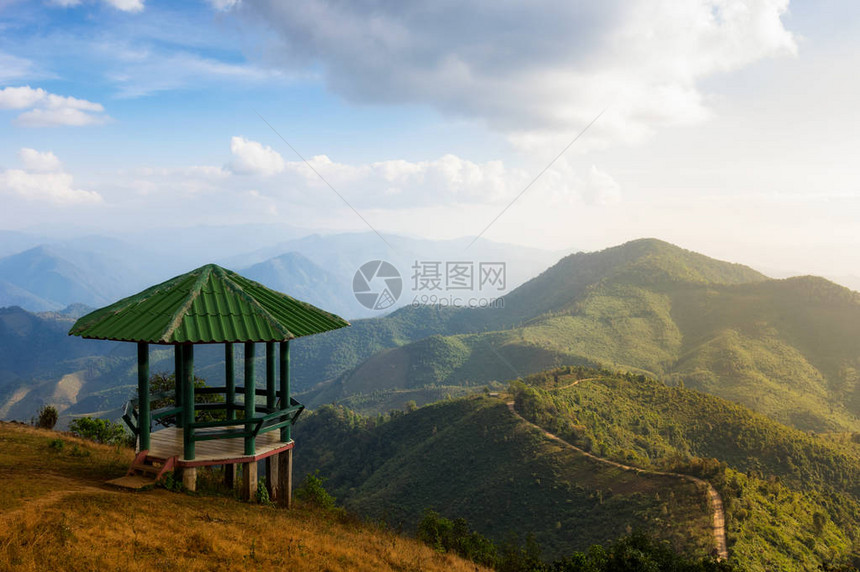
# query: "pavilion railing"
271, 419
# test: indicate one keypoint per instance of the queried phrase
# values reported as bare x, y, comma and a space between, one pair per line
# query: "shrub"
99, 430
262, 495
47, 417
313, 491
445, 535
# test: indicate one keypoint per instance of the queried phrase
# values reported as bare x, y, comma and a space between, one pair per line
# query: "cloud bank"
46, 109
42, 179
531, 70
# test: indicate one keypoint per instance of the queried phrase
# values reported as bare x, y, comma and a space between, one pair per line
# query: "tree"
47, 417
161, 382
99, 430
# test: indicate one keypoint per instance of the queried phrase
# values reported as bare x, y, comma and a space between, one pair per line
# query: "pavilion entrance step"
144, 471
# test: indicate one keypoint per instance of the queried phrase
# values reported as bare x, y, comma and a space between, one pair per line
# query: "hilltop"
790, 498
56, 514
787, 348
472, 458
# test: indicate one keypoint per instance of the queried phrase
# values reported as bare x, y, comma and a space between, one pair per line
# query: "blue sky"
728, 126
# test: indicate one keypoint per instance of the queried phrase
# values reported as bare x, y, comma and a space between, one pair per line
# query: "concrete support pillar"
285, 479
249, 480
189, 478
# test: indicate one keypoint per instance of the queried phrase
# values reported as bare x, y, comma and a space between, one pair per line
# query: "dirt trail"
574, 383
714, 501
65, 487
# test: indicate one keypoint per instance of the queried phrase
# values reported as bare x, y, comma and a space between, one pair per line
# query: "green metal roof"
208, 305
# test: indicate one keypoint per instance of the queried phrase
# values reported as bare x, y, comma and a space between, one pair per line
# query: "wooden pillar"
188, 401
230, 475
230, 374
250, 398
285, 478
189, 478
249, 480
286, 433
272, 482
177, 381
145, 420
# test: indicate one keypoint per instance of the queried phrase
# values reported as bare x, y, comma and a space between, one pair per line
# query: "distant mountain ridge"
55, 277
788, 348
294, 274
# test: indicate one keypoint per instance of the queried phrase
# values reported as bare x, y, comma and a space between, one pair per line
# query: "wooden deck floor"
167, 442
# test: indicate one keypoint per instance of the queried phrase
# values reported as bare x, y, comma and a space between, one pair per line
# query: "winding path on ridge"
714, 501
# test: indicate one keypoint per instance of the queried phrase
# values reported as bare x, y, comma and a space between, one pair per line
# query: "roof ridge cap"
179, 315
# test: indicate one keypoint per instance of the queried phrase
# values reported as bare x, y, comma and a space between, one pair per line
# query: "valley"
640, 388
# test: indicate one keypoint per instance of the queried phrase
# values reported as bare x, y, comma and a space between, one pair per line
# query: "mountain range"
787, 348
644, 355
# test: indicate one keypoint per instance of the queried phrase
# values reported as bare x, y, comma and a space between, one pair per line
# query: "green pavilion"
212, 305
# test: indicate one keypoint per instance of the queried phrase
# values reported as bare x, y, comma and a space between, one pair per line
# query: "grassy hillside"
56, 514
472, 458
787, 348
774, 479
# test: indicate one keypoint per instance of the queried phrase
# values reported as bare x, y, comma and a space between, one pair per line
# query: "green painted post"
286, 433
271, 361
177, 381
145, 419
188, 401
231, 380
250, 396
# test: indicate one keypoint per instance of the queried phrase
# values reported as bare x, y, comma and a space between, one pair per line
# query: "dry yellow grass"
56, 514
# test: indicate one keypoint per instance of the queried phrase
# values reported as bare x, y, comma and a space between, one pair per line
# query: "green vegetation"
791, 498
640, 421
472, 458
100, 430
47, 417
785, 348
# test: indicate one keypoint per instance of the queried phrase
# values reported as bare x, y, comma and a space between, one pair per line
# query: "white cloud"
39, 162
126, 5
144, 71
48, 110
13, 67
252, 158
42, 180
123, 5
450, 180
601, 189
224, 5
532, 71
